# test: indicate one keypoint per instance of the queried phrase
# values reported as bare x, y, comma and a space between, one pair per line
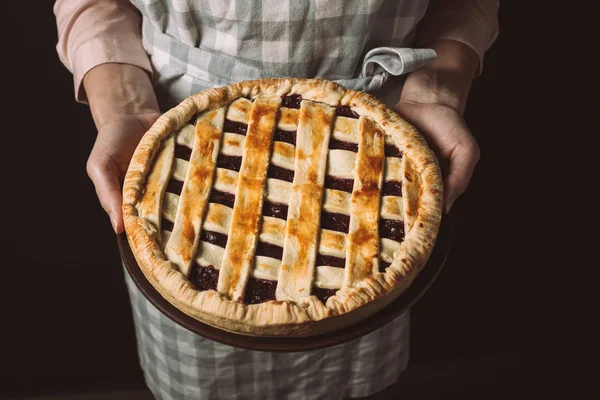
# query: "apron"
195, 45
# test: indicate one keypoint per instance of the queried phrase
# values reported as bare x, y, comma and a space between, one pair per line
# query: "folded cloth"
381, 62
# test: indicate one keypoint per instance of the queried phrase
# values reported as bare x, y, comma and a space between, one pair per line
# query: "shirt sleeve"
94, 32
472, 22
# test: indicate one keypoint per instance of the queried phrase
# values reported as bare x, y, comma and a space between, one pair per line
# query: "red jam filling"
224, 198
332, 261
280, 173
291, 101
343, 184
259, 290
204, 278
183, 152
285, 136
323, 294
233, 163
392, 188
391, 229
392, 151
174, 186
216, 238
345, 111
335, 144
275, 210
269, 250
335, 221
235, 127
383, 265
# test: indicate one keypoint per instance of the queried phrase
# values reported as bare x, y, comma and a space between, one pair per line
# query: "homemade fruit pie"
282, 206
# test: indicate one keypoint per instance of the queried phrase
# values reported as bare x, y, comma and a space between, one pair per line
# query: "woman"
129, 74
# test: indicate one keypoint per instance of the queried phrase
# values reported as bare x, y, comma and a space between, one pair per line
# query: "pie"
282, 207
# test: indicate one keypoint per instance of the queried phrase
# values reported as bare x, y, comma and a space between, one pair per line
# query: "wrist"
119, 89
446, 80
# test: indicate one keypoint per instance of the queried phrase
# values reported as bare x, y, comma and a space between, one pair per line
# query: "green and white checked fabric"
198, 44
194, 45
180, 365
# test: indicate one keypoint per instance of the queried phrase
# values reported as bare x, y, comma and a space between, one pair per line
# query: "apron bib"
195, 45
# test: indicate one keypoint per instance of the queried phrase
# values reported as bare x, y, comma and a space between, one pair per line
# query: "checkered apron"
194, 45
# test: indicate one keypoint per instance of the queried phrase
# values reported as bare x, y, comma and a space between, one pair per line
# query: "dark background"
490, 327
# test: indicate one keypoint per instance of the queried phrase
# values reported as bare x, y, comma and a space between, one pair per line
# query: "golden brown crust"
362, 257
245, 220
302, 226
183, 241
422, 213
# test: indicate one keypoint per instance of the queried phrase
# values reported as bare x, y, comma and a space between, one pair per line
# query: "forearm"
124, 106
119, 89
445, 81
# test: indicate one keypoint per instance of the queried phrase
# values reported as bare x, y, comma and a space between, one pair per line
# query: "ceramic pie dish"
282, 207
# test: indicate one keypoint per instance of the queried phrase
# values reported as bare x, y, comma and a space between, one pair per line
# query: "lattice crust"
278, 206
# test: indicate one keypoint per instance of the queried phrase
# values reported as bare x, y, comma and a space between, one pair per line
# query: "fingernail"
113, 221
449, 204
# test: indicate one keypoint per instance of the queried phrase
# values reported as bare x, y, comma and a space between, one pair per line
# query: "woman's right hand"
124, 107
116, 141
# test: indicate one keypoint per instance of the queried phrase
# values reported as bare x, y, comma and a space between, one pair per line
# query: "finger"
462, 163
105, 176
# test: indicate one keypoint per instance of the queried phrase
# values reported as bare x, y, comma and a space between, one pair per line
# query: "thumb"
104, 173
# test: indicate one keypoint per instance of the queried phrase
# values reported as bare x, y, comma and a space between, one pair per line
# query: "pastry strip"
151, 203
247, 209
334, 200
411, 192
272, 230
325, 276
362, 243
288, 119
238, 110
304, 211
346, 130
193, 201
392, 208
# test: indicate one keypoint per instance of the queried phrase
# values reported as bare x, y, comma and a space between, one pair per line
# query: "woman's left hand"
447, 132
433, 100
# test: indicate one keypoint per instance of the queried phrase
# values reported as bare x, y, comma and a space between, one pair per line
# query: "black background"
491, 326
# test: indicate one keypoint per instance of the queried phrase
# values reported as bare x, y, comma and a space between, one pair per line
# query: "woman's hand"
447, 133
109, 159
124, 107
433, 100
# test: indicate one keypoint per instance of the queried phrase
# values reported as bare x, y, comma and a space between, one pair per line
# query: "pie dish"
282, 207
